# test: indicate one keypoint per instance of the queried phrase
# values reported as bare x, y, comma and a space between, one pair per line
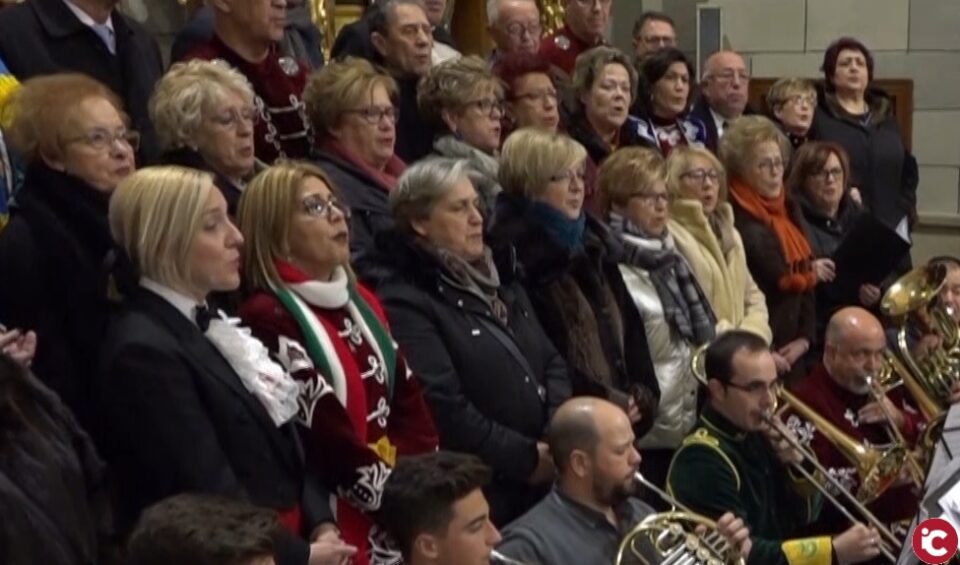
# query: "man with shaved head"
839, 390
724, 87
593, 504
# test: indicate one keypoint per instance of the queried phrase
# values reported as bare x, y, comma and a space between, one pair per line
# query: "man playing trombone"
593, 505
736, 461
844, 390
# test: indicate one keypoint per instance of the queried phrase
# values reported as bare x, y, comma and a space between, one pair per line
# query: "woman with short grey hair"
204, 114
490, 374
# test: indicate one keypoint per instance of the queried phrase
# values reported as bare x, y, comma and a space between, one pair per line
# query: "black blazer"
43, 37
180, 420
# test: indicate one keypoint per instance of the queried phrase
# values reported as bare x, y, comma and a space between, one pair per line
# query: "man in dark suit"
723, 98
354, 38
41, 37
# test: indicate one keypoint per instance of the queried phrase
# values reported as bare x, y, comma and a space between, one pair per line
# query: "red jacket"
840, 407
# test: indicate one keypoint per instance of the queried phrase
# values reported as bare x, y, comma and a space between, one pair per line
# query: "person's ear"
580, 464
449, 119
420, 227
716, 388
379, 43
428, 546
778, 112
225, 6
56, 163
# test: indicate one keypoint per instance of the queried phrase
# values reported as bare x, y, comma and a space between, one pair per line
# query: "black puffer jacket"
880, 165
553, 278
484, 399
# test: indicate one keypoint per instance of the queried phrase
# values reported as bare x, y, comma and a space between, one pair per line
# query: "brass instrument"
501, 559
672, 537
889, 544
912, 301
876, 469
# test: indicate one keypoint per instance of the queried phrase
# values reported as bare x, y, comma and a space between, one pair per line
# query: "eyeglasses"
659, 41
374, 114
543, 96
413, 30
487, 105
102, 140
317, 207
233, 117
729, 75
771, 164
651, 197
757, 388
701, 175
826, 174
517, 30
591, 3
570, 175
800, 99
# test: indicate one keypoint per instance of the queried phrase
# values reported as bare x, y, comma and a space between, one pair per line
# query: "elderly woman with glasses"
463, 102
778, 253
791, 102
73, 134
676, 312
353, 110
605, 84
204, 115
701, 223
532, 100
570, 271
365, 406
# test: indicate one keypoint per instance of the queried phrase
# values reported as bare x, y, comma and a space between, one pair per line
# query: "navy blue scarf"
568, 233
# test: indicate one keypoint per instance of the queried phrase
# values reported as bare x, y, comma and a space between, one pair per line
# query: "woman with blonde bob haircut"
570, 271
675, 311
702, 225
204, 114
779, 256
189, 396
307, 309
792, 103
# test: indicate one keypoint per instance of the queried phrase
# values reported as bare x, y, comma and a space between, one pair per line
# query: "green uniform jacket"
720, 468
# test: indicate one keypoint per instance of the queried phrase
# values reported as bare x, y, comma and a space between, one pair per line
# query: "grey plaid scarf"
685, 306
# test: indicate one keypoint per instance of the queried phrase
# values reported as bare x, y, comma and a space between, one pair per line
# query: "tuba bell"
673, 537
911, 304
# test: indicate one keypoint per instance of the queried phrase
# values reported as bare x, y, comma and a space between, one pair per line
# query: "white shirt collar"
718, 120
85, 18
183, 303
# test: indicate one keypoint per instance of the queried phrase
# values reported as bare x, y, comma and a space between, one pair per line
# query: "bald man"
838, 390
593, 505
723, 94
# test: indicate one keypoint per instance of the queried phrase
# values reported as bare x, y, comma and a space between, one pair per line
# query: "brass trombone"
673, 537
877, 470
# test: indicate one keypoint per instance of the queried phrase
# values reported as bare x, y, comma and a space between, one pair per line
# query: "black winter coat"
43, 37
485, 399
545, 268
825, 235
53, 281
53, 494
880, 165
369, 212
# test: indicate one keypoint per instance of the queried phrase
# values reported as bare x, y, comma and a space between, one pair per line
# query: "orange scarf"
800, 276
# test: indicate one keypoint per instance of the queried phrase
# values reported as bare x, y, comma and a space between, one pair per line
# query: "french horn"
678, 536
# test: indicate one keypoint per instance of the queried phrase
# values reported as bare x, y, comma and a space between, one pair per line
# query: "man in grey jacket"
592, 506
